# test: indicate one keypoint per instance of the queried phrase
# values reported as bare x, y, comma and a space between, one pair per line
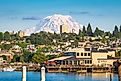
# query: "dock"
79, 69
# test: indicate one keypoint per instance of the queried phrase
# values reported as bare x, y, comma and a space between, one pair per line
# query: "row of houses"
86, 54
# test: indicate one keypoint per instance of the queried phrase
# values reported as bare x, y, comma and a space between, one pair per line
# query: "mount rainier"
52, 24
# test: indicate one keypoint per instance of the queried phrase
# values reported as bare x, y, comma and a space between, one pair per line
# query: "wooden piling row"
24, 73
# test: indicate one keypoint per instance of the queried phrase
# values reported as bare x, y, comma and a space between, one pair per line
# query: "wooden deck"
80, 69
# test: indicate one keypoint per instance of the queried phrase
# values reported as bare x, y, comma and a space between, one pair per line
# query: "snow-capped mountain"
52, 24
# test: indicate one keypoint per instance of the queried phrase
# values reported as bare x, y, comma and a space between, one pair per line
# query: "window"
66, 62
87, 61
75, 62
85, 54
63, 62
70, 54
88, 54
77, 54
78, 62
70, 62
87, 49
81, 54
90, 61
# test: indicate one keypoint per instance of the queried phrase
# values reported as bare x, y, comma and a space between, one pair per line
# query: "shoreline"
64, 69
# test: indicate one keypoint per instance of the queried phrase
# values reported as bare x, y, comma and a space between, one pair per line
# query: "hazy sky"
22, 14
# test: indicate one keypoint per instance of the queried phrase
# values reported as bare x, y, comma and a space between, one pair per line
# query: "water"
35, 76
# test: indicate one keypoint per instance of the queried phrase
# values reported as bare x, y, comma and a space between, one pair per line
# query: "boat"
0, 69
8, 69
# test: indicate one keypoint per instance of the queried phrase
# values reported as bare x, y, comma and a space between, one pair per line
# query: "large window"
70, 62
89, 54
77, 54
85, 54
63, 62
70, 54
90, 61
81, 54
66, 62
87, 61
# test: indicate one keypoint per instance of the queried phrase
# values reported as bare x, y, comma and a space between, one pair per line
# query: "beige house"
101, 58
9, 56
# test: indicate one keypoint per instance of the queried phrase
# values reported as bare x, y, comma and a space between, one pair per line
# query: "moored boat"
8, 69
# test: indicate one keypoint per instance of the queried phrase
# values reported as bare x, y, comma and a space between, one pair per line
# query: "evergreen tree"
116, 31
39, 58
108, 34
84, 31
120, 29
120, 32
7, 36
96, 32
80, 32
1, 36
89, 30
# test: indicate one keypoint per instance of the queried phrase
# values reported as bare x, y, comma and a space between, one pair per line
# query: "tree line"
44, 38
52, 39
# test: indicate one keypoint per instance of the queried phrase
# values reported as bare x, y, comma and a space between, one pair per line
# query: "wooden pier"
80, 69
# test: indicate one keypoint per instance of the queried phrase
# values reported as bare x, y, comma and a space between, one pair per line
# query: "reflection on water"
35, 76
98, 76
102, 76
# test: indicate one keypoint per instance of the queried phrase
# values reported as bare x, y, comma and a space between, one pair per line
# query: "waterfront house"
87, 56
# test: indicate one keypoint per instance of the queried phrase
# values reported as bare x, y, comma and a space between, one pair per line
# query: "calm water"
35, 76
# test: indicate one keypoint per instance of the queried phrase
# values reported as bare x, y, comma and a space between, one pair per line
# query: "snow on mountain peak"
52, 24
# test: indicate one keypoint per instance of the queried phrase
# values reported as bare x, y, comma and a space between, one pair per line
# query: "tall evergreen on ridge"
119, 32
120, 29
1, 36
80, 32
116, 31
89, 30
84, 32
96, 32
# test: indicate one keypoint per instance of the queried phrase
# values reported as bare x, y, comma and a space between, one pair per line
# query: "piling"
24, 73
110, 77
119, 73
43, 74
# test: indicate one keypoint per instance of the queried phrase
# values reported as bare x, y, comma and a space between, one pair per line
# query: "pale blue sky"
21, 14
